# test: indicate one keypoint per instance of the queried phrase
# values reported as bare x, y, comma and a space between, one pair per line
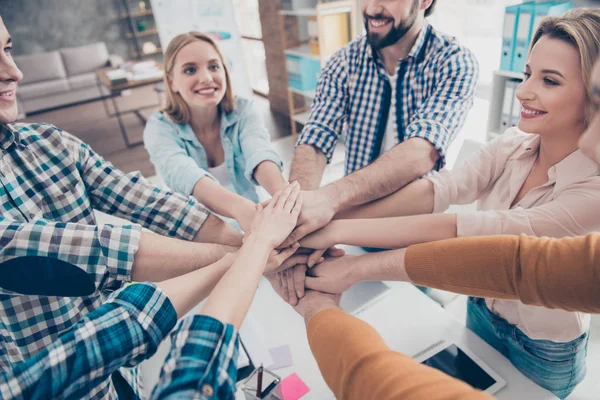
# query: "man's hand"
334, 275
318, 208
314, 302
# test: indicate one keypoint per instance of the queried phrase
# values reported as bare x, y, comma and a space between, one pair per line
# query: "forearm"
308, 166
268, 175
220, 200
215, 230
553, 273
413, 199
384, 233
353, 358
231, 298
160, 258
187, 291
391, 171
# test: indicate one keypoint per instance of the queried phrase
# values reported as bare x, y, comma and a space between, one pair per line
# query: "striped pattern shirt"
124, 331
435, 89
50, 182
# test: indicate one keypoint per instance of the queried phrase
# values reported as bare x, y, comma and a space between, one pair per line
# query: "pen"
259, 384
269, 388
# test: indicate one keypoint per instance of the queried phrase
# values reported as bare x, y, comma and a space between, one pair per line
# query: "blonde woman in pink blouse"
535, 183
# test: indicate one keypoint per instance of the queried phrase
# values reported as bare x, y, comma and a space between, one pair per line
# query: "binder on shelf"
548, 9
509, 37
507, 104
524, 27
516, 105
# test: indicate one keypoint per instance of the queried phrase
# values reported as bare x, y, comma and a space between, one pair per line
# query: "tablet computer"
362, 295
460, 363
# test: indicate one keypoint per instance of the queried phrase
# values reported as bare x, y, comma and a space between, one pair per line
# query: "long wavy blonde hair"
175, 106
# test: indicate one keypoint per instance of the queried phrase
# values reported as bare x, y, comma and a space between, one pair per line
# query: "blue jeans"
557, 367
423, 289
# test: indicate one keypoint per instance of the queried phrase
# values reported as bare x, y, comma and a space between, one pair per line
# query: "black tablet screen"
454, 362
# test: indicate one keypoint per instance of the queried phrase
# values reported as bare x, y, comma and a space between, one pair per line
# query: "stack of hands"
305, 269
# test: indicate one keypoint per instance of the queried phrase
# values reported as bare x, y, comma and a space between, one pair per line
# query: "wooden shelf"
510, 74
310, 94
148, 32
157, 51
137, 14
303, 51
302, 118
312, 12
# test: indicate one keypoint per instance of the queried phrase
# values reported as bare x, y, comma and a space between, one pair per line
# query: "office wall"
45, 25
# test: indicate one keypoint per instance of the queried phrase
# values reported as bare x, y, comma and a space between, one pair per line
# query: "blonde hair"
175, 106
579, 27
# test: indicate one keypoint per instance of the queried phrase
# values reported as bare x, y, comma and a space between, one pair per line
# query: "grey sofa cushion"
79, 60
42, 89
41, 67
82, 81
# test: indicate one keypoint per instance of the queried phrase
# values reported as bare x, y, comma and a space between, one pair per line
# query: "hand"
295, 279
315, 301
273, 223
317, 211
289, 284
279, 258
334, 275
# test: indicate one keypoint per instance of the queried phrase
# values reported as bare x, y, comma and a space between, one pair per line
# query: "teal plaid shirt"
50, 182
123, 332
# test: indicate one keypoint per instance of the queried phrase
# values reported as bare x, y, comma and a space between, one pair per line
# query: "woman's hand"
274, 222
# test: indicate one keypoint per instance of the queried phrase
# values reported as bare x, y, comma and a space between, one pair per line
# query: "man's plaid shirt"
124, 331
435, 89
50, 182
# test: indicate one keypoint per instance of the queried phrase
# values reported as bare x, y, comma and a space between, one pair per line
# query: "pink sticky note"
292, 387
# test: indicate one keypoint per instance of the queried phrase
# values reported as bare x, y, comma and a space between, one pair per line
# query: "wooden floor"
90, 123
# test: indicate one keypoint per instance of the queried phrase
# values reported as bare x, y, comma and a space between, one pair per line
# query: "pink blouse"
567, 205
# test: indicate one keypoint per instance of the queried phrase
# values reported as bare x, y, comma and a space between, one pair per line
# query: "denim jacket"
181, 161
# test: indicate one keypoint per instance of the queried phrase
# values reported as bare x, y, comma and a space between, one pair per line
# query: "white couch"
62, 77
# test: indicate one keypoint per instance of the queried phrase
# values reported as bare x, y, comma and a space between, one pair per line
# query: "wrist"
334, 196
243, 208
313, 308
257, 241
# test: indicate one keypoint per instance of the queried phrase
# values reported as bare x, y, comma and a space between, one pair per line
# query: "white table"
408, 320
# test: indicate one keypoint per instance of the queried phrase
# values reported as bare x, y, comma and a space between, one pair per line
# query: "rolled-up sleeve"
329, 108
439, 119
105, 252
255, 142
202, 362
168, 155
573, 212
465, 183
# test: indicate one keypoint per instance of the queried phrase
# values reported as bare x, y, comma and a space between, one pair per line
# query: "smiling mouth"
7, 95
206, 91
379, 22
532, 112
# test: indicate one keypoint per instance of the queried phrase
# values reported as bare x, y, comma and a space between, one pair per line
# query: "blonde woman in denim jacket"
206, 142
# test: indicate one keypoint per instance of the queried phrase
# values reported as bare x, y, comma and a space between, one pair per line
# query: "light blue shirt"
181, 161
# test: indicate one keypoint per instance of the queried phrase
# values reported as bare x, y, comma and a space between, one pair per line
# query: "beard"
378, 41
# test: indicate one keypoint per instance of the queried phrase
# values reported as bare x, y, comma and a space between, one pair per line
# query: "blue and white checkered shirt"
50, 182
124, 331
434, 91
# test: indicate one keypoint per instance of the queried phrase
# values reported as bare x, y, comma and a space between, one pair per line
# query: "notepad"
282, 357
293, 388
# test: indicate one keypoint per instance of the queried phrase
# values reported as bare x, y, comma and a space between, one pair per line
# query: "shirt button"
207, 390
31, 215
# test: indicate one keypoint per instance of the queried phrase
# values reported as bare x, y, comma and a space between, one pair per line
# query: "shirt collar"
572, 169
418, 49
227, 119
10, 135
